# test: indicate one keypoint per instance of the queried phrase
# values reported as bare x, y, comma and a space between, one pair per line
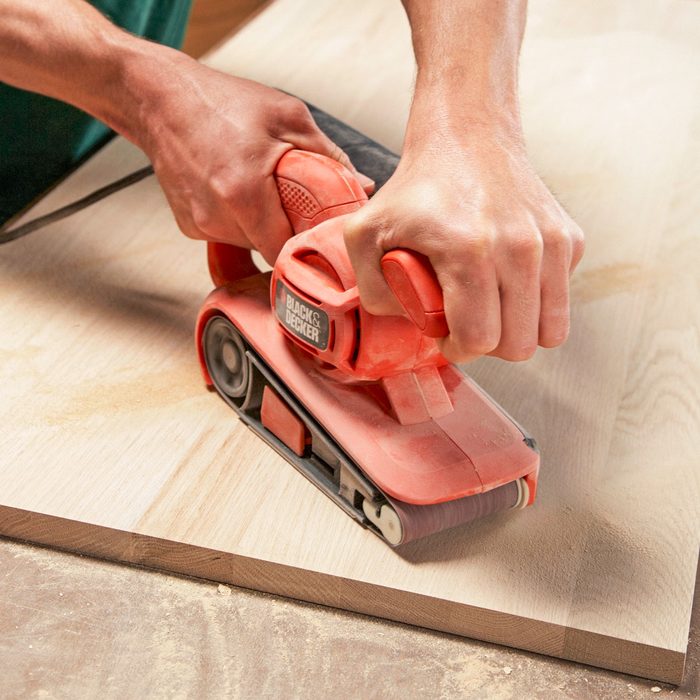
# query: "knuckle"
477, 246
453, 354
554, 331
517, 353
474, 339
479, 243
352, 235
553, 339
557, 241
296, 112
225, 186
189, 228
356, 229
526, 247
578, 242
202, 218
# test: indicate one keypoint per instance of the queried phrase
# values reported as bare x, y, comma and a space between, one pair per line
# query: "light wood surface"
111, 446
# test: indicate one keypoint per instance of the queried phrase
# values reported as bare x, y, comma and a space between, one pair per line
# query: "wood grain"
111, 445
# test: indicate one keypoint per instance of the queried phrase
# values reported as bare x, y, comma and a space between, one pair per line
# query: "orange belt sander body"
365, 406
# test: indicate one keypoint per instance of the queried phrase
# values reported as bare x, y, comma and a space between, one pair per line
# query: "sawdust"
154, 390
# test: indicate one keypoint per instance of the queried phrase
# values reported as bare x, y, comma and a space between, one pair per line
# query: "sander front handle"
412, 279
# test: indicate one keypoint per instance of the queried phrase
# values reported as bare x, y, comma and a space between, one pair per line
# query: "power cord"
41, 221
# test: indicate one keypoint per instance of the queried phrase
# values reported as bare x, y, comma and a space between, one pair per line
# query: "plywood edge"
334, 591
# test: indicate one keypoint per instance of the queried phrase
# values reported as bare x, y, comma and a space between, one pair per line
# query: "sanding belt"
379, 163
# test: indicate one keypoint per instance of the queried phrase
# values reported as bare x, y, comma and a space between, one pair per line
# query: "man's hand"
501, 245
215, 141
465, 194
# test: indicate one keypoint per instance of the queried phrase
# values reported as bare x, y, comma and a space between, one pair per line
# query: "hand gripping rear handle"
412, 279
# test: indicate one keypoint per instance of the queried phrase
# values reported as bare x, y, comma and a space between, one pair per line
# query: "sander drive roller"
402, 522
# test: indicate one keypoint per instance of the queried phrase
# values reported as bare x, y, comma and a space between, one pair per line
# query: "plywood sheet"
111, 446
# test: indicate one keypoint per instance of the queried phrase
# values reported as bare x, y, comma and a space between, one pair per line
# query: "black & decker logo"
301, 318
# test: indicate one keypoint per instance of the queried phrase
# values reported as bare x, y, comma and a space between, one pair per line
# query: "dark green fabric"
41, 138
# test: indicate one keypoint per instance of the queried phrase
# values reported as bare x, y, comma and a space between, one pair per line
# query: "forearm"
467, 55
465, 194
67, 50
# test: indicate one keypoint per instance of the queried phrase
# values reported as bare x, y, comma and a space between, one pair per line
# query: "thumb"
268, 226
362, 241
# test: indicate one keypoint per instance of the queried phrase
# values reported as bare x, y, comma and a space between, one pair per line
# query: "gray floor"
74, 627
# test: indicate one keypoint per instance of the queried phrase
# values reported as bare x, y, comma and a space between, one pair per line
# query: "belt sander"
364, 406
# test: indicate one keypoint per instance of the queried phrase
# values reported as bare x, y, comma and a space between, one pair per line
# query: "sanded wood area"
111, 445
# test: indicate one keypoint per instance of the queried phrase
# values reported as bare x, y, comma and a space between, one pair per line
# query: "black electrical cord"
35, 224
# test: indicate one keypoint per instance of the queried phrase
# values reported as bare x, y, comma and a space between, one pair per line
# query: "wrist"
136, 77
451, 117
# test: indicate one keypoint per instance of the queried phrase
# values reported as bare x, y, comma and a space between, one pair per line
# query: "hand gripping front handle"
412, 279
314, 188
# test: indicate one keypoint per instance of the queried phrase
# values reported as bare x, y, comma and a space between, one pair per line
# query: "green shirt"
41, 139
